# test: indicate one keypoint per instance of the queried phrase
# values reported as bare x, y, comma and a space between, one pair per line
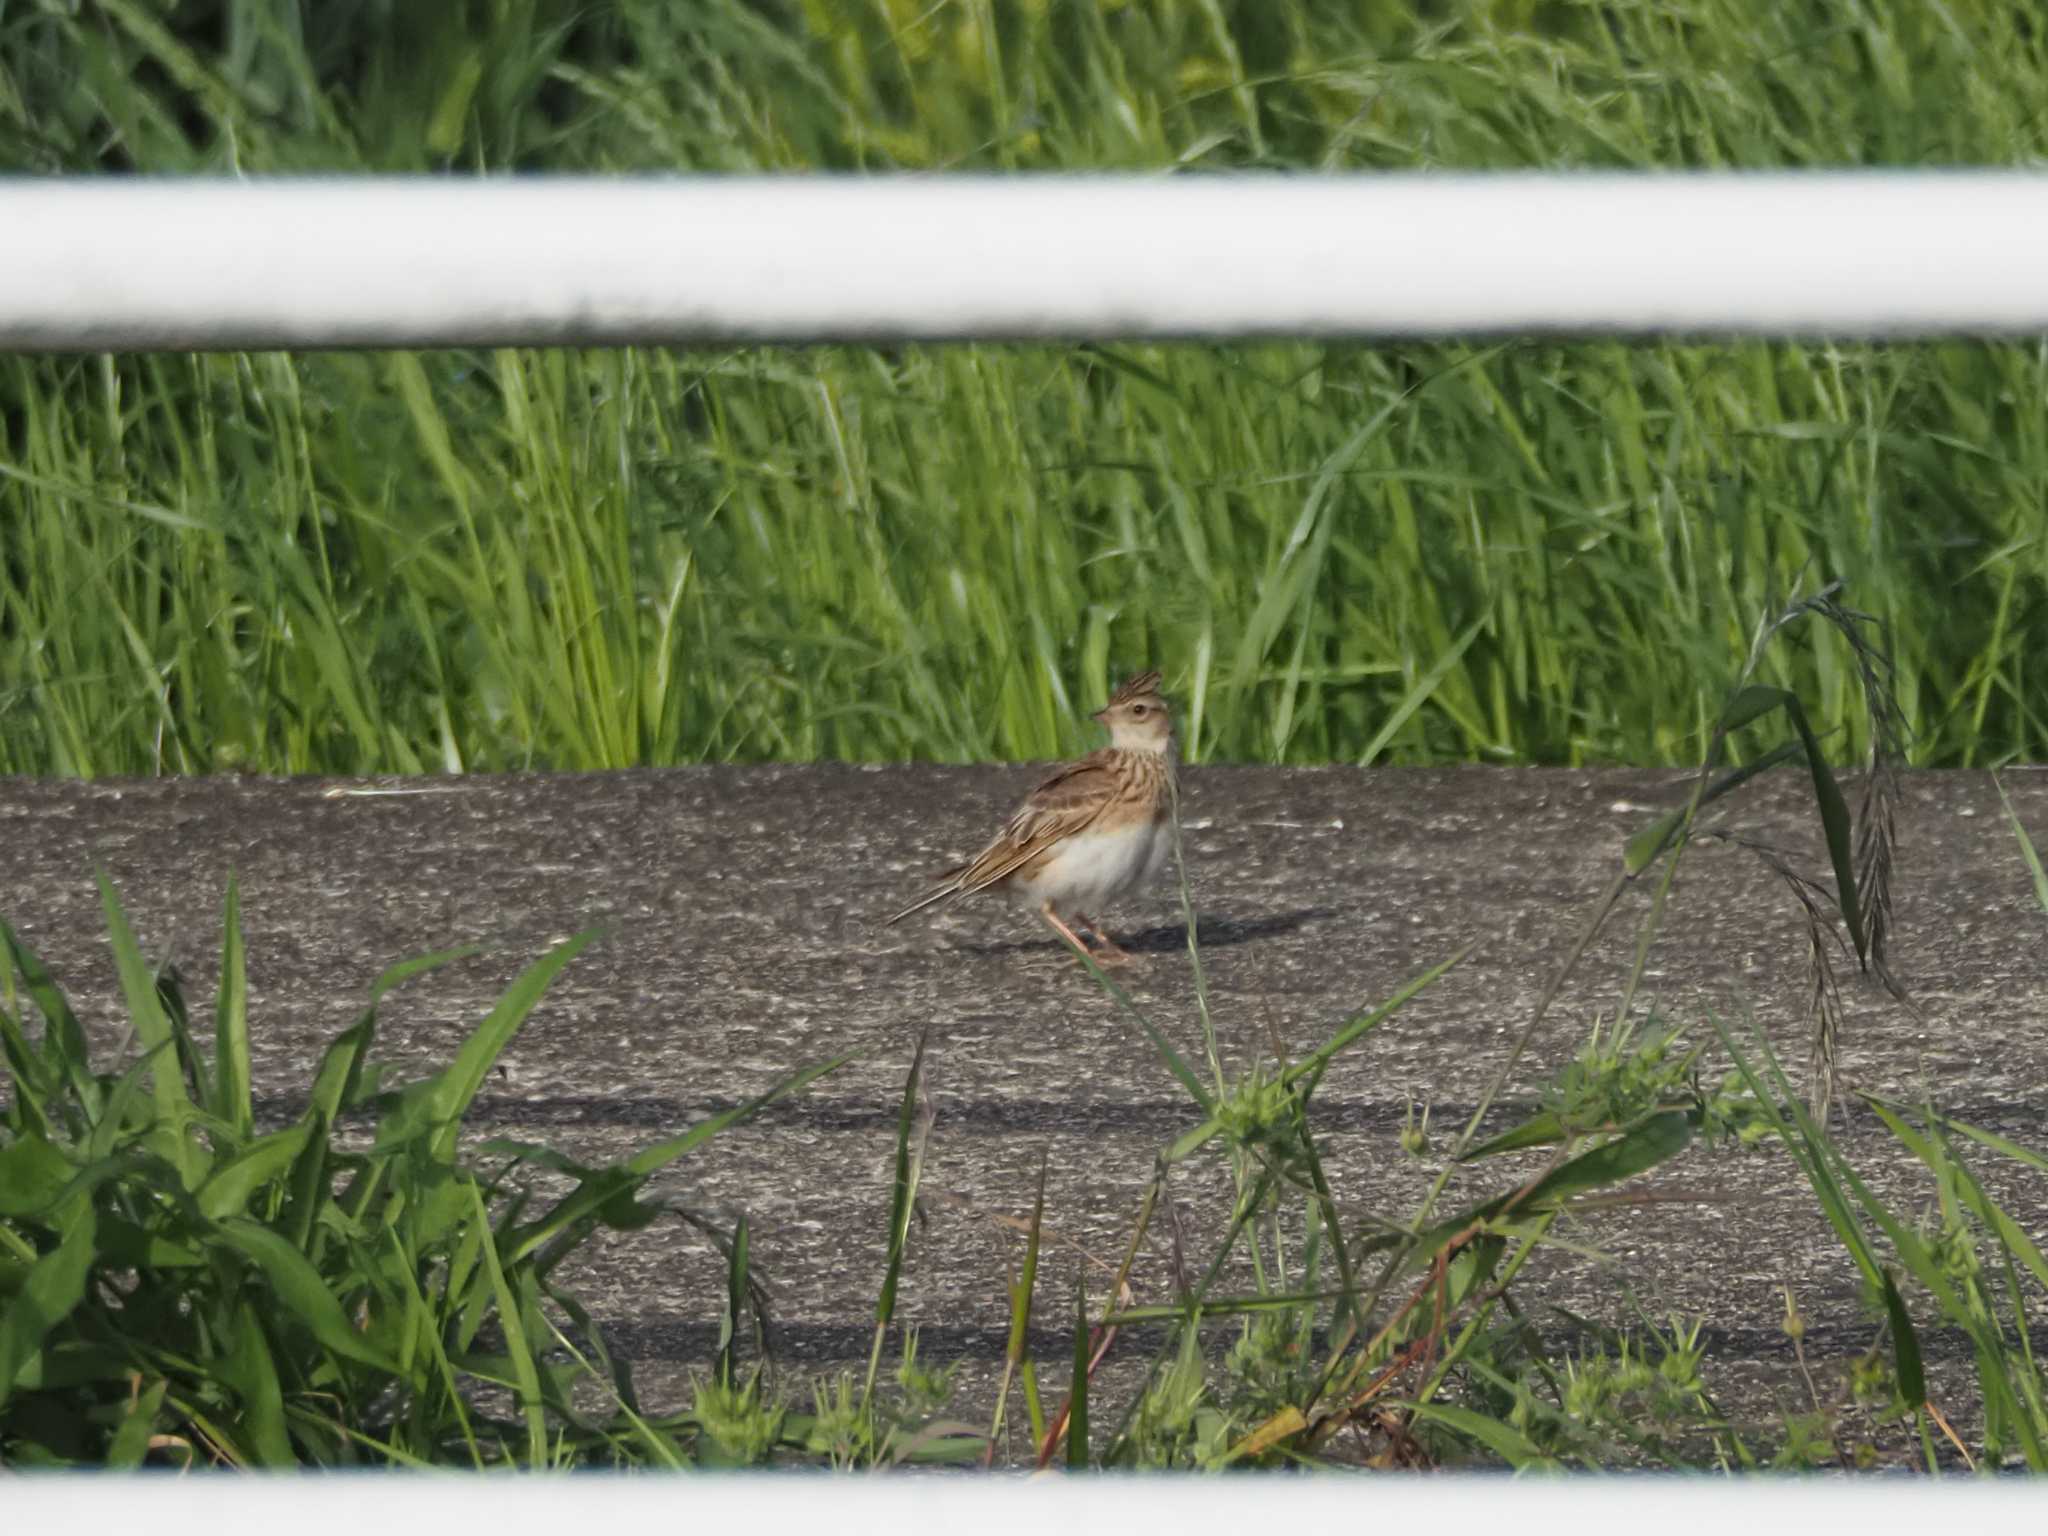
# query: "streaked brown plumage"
1089, 833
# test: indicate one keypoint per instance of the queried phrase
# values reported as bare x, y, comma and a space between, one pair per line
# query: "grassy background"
1534, 552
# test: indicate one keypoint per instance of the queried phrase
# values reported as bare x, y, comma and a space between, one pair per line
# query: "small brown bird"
1096, 830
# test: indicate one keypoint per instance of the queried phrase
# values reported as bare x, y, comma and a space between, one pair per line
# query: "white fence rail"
133, 264
868, 1506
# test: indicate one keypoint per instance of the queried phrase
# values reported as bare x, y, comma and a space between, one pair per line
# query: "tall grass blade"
231, 1020
1419, 694
1077, 1400
1645, 847
2027, 849
434, 1109
1022, 1289
1311, 1067
902, 1203
35, 1085
64, 1048
736, 1279
511, 1313
153, 1027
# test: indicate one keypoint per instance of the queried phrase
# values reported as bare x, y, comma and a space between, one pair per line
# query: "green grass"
1534, 552
185, 1284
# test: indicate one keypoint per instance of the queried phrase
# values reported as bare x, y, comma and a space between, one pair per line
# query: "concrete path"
743, 909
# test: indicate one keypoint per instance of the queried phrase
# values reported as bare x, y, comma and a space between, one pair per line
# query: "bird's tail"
949, 885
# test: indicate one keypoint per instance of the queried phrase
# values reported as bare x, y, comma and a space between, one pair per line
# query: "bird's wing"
1064, 803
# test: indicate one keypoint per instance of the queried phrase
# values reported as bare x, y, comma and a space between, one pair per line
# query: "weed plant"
182, 1286
1532, 552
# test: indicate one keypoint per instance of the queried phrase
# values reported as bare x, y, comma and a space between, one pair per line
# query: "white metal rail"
129, 264
867, 1506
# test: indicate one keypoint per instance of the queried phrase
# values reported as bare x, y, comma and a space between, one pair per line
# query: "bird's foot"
1106, 951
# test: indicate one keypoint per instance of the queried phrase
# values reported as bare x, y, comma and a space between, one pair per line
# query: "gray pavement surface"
743, 910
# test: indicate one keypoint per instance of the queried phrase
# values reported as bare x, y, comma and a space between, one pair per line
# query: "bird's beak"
1097, 717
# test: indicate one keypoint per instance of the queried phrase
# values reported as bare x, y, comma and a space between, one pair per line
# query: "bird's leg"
1045, 911
1110, 953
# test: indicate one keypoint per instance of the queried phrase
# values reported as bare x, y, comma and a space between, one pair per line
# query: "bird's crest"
1144, 686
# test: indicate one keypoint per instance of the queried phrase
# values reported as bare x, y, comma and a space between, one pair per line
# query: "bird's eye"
1140, 711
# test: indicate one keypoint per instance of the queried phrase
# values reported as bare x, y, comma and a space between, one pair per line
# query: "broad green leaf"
1175, 1063
341, 1068
228, 1189
1751, 702
1022, 1287
1661, 1137
125, 1245
253, 1373
1905, 1346
55, 1284
198, 1083
68, 1362
1220, 1306
32, 1175
1473, 1268
661, 1154
1290, 575
944, 1443
138, 1424
302, 1291
1192, 1141
1835, 821
419, 965
1544, 1129
1655, 1140
1503, 1439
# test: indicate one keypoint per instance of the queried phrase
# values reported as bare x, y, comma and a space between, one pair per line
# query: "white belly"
1094, 869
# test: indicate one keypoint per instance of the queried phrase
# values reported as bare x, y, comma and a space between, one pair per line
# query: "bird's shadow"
1168, 938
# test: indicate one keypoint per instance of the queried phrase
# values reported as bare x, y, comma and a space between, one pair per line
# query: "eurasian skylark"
1094, 831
